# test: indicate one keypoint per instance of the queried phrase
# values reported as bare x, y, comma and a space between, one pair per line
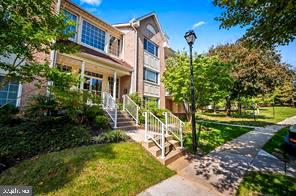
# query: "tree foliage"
211, 78
29, 28
254, 71
268, 22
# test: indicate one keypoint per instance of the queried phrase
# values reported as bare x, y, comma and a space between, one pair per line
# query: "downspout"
134, 89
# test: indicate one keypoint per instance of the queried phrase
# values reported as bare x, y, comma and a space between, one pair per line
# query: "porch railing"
175, 126
131, 107
155, 130
110, 106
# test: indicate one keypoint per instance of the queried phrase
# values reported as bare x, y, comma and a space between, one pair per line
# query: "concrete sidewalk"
221, 171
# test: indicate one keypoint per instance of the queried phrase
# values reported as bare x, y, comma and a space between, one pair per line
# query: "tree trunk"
187, 111
214, 107
228, 107
239, 107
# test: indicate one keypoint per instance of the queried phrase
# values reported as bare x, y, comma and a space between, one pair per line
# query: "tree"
211, 79
254, 71
28, 28
268, 22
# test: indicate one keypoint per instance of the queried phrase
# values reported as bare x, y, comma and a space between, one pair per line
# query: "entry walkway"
221, 171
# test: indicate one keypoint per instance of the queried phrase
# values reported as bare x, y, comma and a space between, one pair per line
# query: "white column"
82, 75
79, 30
107, 41
19, 95
114, 84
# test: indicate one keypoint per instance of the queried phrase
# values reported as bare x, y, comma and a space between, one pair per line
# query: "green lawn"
214, 135
256, 183
275, 145
111, 169
264, 118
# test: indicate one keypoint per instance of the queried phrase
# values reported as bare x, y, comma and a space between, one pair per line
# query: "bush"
158, 112
91, 112
31, 138
110, 137
102, 122
41, 106
8, 114
136, 98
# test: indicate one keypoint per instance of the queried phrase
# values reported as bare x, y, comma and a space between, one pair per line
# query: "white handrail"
131, 107
174, 125
110, 106
155, 130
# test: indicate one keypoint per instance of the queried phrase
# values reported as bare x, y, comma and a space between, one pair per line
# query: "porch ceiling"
91, 64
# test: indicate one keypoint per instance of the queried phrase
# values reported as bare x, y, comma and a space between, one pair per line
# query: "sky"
177, 17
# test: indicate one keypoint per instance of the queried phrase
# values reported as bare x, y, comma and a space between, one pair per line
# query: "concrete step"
123, 119
150, 143
127, 128
124, 123
169, 146
173, 156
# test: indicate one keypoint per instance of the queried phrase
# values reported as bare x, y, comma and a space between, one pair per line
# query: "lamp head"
190, 37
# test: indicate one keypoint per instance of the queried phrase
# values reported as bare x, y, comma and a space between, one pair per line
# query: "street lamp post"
190, 38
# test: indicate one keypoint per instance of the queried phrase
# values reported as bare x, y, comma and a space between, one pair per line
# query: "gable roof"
139, 19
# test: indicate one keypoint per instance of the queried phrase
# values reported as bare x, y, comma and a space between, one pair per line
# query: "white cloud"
91, 2
200, 23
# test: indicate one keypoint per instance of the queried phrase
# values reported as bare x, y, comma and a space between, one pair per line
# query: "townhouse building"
118, 59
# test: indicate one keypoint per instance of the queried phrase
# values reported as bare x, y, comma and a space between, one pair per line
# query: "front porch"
97, 75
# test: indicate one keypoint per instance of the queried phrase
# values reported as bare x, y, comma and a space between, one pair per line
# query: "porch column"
82, 74
114, 85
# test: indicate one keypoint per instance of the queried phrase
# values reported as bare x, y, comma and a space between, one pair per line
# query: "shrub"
8, 114
102, 122
158, 112
91, 112
110, 137
136, 98
41, 105
30, 138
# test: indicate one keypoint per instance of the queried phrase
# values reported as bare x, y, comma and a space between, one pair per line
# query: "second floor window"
150, 76
93, 36
150, 47
71, 28
114, 46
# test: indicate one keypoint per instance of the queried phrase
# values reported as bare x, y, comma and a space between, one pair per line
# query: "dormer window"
150, 47
72, 28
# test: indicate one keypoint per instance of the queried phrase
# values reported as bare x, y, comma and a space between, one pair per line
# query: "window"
8, 93
93, 84
114, 46
97, 75
93, 36
64, 68
150, 76
150, 47
71, 28
110, 79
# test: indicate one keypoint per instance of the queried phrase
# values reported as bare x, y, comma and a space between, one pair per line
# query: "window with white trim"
8, 93
71, 28
93, 36
151, 76
150, 47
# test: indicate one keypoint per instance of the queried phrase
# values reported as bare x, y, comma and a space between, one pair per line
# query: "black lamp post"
190, 38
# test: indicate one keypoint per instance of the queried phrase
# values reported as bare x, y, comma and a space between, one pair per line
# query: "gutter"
134, 24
